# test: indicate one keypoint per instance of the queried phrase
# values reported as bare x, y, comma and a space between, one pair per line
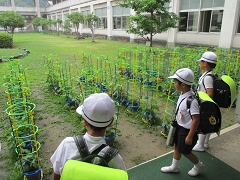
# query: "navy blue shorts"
179, 139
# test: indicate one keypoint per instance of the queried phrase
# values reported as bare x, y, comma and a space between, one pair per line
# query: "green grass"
10, 52
43, 44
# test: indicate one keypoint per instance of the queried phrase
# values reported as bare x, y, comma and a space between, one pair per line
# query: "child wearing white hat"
98, 113
207, 63
185, 136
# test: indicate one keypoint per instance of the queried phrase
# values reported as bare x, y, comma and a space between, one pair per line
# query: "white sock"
207, 138
201, 140
174, 164
198, 165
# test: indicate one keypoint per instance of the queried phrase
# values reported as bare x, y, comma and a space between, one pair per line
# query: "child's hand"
188, 140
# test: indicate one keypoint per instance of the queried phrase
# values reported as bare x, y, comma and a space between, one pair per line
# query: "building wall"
197, 39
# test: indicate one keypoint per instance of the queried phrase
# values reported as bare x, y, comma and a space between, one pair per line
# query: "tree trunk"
92, 34
151, 36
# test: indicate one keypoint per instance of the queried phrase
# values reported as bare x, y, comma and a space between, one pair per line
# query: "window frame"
123, 13
200, 11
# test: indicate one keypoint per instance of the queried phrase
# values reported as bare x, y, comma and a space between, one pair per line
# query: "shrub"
6, 40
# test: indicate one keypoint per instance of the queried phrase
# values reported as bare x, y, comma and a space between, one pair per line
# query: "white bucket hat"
184, 75
209, 57
98, 109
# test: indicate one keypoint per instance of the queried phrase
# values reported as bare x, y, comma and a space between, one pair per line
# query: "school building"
206, 22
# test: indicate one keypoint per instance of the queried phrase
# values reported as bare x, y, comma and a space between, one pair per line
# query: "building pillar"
230, 18
172, 32
109, 20
37, 8
13, 5
133, 37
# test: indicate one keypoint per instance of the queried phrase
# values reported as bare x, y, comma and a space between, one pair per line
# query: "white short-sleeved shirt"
208, 81
183, 116
68, 150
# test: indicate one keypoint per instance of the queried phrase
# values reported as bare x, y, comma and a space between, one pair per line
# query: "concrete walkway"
226, 147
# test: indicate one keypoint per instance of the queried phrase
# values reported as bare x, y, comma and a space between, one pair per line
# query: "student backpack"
210, 114
94, 158
78, 170
224, 90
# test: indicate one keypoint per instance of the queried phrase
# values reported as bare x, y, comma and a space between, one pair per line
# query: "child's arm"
56, 176
210, 92
193, 129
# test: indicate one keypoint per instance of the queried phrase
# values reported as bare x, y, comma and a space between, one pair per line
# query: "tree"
54, 23
152, 17
11, 20
36, 21
91, 19
67, 27
59, 21
76, 18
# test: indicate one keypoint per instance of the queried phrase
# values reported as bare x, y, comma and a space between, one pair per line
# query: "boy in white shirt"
185, 136
98, 113
207, 63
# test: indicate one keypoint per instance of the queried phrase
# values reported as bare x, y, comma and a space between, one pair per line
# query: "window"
183, 21
201, 15
85, 23
211, 21
189, 4
189, 21
216, 21
212, 3
120, 17
192, 21
5, 3
60, 16
102, 17
24, 3
65, 17
205, 21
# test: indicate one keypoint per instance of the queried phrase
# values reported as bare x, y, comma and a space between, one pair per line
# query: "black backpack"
210, 114
94, 158
224, 90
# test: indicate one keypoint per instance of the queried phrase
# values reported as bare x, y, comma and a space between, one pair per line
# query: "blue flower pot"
133, 107
33, 175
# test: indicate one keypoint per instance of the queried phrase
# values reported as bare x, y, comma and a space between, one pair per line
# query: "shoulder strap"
189, 101
110, 153
82, 146
84, 152
212, 75
179, 106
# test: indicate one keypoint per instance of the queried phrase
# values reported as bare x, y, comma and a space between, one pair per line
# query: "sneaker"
206, 145
197, 147
195, 171
168, 169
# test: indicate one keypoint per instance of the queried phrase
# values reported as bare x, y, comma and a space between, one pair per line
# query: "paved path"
226, 147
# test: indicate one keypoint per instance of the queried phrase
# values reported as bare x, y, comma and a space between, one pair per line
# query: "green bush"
6, 40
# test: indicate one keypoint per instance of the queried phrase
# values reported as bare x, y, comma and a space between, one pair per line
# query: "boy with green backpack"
207, 63
98, 113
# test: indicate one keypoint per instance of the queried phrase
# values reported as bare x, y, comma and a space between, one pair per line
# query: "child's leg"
200, 144
175, 161
198, 166
206, 145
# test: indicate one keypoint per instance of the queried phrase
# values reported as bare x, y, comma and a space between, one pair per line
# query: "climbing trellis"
136, 78
20, 111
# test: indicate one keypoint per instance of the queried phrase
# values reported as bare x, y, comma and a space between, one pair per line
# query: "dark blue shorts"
179, 139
